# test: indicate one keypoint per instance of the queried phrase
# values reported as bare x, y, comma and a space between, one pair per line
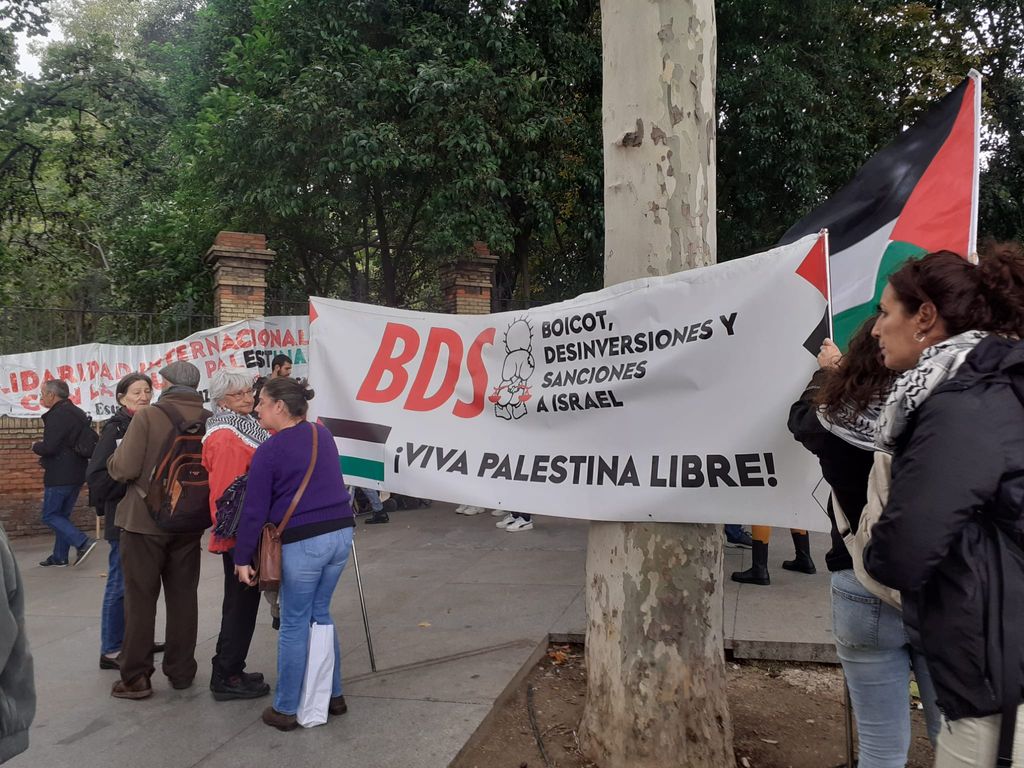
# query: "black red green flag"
917, 195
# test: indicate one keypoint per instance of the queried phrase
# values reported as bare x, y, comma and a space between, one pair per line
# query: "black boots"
757, 573
803, 562
381, 516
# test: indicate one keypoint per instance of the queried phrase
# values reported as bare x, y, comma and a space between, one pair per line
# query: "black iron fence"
282, 307
27, 329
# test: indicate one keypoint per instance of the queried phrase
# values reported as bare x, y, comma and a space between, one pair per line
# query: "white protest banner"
93, 370
662, 399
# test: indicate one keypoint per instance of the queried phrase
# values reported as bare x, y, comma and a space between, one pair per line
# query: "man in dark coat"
63, 471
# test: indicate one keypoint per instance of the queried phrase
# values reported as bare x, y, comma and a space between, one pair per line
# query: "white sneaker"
498, 512
471, 510
519, 524
461, 509
505, 521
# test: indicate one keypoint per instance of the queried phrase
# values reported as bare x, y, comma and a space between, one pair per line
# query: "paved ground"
457, 608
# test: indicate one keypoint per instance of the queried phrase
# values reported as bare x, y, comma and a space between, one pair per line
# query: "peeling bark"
656, 677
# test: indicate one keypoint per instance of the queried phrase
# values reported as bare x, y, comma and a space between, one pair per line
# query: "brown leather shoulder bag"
268, 561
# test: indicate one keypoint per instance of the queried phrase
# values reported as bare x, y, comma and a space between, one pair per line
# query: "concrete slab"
789, 620
572, 624
457, 608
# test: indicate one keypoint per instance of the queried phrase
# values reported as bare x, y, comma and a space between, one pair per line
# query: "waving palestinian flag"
917, 195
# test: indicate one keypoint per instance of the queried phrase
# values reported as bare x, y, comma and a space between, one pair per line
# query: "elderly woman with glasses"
232, 436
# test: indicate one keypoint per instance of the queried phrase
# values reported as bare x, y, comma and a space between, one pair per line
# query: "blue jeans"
872, 645
112, 615
373, 496
310, 570
733, 531
58, 503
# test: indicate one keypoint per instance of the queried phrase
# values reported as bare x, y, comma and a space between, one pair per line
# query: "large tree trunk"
656, 675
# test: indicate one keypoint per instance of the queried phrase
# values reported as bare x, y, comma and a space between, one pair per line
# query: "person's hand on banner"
829, 356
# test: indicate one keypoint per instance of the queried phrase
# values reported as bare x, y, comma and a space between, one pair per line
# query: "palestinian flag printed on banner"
360, 443
917, 195
360, 447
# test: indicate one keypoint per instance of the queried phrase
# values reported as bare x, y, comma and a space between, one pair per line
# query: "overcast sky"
27, 62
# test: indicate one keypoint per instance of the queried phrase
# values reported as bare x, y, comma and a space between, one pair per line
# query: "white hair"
229, 380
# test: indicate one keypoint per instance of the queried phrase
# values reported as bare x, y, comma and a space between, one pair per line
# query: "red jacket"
225, 457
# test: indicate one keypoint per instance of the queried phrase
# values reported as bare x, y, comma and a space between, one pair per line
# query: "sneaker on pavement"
498, 513
85, 550
505, 521
337, 706
48, 562
278, 720
237, 687
519, 524
461, 509
471, 510
743, 541
139, 688
110, 662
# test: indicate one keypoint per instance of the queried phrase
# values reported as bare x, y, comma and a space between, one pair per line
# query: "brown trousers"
147, 562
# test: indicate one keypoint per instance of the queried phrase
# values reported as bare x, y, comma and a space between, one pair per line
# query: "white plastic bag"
316, 685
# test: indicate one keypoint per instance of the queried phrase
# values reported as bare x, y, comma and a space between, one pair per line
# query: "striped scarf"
858, 428
246, 428
938, 364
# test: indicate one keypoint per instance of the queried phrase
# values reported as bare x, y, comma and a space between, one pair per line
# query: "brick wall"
239, 261
467, 284
22, 502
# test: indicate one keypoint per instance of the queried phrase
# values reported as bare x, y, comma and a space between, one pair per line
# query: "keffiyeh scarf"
856, 428
938, 364
246, 428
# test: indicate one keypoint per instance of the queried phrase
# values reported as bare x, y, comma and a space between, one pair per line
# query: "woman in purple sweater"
315, 543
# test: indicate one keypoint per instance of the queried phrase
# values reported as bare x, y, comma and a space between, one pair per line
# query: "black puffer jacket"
104, 491
844, 466
61, 425
958, 467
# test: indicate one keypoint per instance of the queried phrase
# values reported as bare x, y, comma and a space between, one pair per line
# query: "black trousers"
149, 562
237, 622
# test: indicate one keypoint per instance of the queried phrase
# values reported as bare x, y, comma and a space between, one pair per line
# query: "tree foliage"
374, 140
377, 140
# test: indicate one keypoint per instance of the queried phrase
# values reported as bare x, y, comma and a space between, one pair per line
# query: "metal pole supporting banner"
362, 606
851, 761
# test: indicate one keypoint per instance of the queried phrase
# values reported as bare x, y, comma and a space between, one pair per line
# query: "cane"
848, 706
362, 605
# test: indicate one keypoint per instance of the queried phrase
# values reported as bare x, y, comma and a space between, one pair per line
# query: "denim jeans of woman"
873, 647
112, 616
310, 570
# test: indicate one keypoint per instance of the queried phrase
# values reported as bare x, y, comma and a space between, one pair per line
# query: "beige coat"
135, 459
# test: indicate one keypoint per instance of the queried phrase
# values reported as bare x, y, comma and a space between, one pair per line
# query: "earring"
919, 337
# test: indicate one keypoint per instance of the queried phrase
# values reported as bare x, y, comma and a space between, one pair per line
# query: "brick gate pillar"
467, 284
240, 261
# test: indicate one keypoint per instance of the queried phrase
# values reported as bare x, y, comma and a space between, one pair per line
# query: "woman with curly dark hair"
836, 420
950, 538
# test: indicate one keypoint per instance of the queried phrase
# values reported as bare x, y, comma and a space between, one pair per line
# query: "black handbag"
229, 508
